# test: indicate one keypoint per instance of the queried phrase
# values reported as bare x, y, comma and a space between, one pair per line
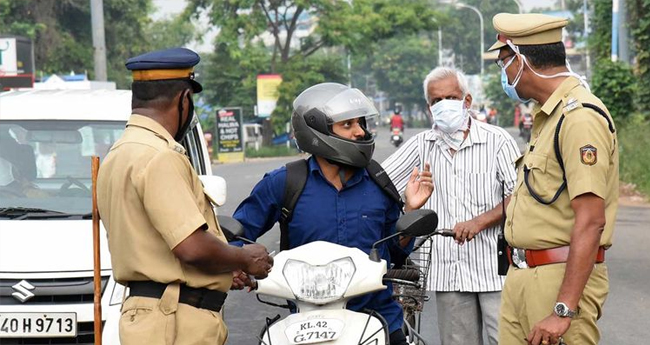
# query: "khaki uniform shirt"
150, 199
590, 154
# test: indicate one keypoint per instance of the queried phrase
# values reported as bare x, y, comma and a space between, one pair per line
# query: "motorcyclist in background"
396, 121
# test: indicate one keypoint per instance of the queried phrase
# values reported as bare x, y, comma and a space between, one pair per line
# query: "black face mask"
185, 127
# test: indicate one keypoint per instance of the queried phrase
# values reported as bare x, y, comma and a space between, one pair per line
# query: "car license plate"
314, 331
14, 325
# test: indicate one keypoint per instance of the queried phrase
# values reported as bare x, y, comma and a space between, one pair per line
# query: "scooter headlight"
319, 284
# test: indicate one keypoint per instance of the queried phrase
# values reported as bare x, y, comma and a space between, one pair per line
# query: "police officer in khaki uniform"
163, 237
561, 215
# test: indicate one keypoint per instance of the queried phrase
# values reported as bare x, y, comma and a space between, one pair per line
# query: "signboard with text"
16, 62
267, 93
229, 130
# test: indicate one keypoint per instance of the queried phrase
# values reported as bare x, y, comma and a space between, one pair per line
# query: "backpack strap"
297, 172
381, 178
558, 155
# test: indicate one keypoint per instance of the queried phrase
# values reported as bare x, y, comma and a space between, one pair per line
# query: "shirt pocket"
479, 193
537, 179
372, 223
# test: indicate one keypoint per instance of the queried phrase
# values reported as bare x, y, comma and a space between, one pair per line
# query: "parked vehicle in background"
47, 139
252, 135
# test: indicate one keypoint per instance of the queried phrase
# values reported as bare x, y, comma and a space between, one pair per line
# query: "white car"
46, 248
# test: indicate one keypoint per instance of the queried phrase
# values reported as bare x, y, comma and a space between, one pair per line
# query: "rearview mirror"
417, 223
232, 229
54, 136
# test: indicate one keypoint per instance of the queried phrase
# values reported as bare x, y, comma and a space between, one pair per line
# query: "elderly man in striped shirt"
473, 167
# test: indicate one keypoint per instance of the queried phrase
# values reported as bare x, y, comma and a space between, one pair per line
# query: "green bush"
271, 151
615, 85
634, 142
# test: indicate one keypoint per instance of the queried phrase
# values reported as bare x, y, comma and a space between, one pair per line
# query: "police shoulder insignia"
588, 155
178, 148
571, 104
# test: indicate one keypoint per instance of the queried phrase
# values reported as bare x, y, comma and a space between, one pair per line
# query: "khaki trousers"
529, 295
155, 321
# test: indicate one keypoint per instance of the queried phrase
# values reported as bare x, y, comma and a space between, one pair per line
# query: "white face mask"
449, 115
6, 174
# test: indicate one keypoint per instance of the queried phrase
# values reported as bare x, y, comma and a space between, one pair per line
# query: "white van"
46, 248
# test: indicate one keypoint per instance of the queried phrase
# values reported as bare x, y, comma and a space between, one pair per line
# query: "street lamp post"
439, 42
480, 17
519, 5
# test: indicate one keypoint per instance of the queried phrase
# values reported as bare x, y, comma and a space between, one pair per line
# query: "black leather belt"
196, 297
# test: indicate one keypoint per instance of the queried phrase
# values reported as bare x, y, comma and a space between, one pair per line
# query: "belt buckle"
519, 257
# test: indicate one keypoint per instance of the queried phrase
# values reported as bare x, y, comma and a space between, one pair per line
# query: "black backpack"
297, 172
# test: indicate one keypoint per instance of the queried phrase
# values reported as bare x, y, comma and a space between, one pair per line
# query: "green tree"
494, 92
301, 74
640, 27
461, 34
400, 64
600, 41
230, 74
62, 35
615, 84
339, 26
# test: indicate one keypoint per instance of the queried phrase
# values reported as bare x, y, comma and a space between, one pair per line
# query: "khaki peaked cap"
527, 29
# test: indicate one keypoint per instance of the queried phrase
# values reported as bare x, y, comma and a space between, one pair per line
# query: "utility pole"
99, 41
480, 17
624, 53
615, 4
585, 13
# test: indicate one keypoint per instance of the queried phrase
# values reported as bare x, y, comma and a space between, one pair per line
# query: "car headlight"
319, 284
118, 294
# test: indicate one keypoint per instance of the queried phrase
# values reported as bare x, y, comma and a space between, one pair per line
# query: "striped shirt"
466, 185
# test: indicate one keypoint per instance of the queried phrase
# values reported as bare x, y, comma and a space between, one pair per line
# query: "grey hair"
440, 73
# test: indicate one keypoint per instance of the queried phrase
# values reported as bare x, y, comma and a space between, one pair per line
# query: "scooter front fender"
329, 327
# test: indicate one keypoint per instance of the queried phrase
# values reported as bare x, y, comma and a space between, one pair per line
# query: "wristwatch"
562, 310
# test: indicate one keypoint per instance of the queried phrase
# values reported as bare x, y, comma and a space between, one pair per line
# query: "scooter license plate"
314, 331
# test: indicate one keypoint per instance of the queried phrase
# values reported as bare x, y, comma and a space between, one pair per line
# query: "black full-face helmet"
316, 109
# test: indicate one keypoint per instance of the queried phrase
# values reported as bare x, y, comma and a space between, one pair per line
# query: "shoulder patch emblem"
588, 155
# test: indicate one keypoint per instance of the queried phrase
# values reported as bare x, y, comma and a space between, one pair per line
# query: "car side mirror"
215, 188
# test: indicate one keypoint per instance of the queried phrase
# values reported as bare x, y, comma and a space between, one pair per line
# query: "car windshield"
45, 165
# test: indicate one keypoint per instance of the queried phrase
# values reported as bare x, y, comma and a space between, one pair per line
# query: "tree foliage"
640, 27
600, 41
398, 66
494, 92
306, 41
615, 84
461, 34
62, 35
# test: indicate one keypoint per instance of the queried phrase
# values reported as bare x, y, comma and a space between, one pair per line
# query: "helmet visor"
347, 105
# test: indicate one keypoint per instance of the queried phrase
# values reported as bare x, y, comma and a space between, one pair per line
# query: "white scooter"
320, 278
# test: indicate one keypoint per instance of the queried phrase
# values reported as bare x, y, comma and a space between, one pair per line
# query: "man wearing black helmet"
340, 203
